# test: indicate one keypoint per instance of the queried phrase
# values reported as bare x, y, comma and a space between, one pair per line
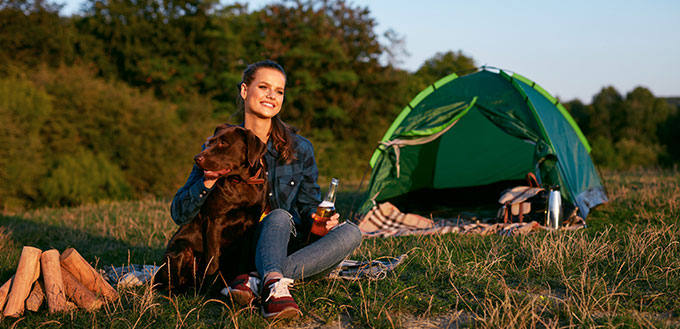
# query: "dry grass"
623, 271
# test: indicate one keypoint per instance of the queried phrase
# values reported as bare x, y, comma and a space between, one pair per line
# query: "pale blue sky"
570, 48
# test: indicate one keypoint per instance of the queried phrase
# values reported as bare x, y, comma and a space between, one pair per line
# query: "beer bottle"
324, 211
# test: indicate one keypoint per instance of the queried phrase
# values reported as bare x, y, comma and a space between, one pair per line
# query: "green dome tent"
482, 129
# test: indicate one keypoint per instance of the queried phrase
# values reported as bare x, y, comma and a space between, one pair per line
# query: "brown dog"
219, 239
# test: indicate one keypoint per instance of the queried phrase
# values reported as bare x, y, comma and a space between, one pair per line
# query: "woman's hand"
332, 222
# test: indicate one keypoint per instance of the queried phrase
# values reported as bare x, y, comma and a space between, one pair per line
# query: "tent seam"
560, 108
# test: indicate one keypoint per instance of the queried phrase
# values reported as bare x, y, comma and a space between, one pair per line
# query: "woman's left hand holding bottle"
331, 222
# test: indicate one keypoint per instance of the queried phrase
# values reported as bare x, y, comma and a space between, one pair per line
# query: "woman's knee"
352, 234
278, 217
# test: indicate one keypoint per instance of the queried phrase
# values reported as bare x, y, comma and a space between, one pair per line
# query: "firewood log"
73, 262
35, 299
4, 291
54, 284
28, 271
70, 306
78, 293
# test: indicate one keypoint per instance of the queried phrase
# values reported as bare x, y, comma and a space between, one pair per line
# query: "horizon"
588, 46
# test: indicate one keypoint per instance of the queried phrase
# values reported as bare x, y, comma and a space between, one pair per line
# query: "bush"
71, 137
83, 177
625, 154
23, 113
138, 133
635, 154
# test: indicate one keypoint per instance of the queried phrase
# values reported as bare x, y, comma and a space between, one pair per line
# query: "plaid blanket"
137, 274
372, 270
386, 220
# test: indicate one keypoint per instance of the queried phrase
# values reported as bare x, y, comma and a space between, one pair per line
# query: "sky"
571, 48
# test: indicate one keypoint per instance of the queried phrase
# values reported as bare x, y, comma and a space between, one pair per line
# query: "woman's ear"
244, 91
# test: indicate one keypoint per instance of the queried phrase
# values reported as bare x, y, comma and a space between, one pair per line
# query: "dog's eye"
223, 143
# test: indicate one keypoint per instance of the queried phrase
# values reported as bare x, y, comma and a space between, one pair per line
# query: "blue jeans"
271, 253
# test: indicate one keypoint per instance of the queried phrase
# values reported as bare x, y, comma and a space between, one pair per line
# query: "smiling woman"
261, 92
282, 251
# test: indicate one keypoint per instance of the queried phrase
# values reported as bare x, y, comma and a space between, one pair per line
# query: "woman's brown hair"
281, 134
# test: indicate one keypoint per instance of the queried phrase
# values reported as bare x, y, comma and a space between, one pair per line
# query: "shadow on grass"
96, 249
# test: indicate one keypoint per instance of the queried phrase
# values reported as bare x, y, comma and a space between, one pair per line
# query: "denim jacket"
292, 187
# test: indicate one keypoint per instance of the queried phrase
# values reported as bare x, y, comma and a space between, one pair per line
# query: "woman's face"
264, 96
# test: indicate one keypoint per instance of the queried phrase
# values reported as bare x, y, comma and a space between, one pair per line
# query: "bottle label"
326, 204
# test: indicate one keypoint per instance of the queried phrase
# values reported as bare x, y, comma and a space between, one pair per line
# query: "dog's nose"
199, 159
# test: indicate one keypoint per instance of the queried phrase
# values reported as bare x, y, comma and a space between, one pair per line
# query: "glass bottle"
325, 210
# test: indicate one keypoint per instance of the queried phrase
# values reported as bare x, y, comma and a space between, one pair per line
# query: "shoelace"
279, 288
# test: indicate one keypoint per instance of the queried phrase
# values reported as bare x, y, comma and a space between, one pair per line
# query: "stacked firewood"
65, 281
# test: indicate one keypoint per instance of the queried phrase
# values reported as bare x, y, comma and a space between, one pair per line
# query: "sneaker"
278, 303
243, 289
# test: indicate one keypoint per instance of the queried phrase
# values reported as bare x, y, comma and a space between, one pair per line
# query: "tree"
174, 47
443, 64
581, 114
670, 135
604, 112
642, 113
31, 33
338, 92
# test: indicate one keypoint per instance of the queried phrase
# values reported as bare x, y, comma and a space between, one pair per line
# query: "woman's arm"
189, 198
309, 196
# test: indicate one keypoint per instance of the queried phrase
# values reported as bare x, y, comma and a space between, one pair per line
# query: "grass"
622, 271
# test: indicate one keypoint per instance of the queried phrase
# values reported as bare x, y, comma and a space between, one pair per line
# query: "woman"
282, 253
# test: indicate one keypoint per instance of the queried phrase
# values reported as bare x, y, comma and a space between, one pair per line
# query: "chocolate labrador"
219, 240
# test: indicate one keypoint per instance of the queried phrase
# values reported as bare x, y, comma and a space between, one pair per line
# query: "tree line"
113, 102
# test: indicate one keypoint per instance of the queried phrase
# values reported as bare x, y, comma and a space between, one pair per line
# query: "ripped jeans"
271, 253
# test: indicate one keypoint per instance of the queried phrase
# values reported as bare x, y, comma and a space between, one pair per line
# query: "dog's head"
232, 150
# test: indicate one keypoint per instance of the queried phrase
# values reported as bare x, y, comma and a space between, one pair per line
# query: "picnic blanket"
136, 274
131, 275
372, 270
386, 220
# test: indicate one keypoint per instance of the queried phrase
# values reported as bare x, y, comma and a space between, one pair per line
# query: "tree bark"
54, 283
35, 299
78, 293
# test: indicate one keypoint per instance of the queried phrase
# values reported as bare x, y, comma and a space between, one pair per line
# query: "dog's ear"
218, 130
221, 127
255, 148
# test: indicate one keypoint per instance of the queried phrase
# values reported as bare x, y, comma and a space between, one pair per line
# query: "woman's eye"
280, 92
263, 87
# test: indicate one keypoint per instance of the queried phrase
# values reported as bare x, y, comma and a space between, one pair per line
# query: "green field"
622, 271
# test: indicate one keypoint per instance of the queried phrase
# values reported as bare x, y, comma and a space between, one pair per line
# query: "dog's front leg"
213, 236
